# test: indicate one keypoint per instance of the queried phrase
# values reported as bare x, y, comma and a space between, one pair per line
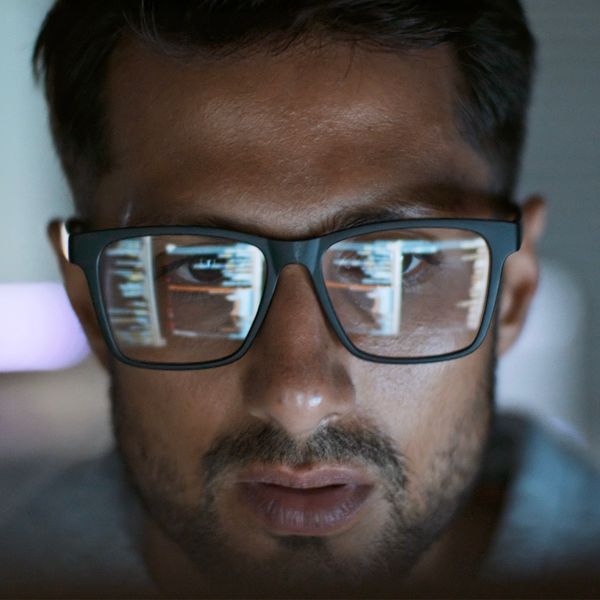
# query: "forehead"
284, 144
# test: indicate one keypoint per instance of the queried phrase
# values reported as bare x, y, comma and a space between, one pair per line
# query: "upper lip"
305, 477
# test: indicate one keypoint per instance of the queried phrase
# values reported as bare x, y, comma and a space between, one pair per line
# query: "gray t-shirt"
81, 534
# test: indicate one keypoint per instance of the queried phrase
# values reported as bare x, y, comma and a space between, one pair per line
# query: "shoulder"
78, 531
551, 521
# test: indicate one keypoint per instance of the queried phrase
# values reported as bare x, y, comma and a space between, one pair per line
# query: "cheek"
166, 421
437, 414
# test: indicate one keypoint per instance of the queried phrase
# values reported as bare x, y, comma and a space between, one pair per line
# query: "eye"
411, 263
352, 267
417, 268
195, 269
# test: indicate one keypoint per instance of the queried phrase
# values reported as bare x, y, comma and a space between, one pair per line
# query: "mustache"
265, 443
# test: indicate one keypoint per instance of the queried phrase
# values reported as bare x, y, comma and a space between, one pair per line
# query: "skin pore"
290, 146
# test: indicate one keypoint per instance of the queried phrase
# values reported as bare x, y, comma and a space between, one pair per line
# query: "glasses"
399, 292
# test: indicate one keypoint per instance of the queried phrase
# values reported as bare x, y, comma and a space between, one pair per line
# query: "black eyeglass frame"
85, 250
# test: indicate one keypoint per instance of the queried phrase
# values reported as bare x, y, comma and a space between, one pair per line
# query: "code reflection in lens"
409, 292
181, 298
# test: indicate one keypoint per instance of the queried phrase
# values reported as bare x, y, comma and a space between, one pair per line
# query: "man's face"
299, 463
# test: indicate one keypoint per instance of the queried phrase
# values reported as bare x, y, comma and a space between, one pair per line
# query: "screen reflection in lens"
181, 298
409, 292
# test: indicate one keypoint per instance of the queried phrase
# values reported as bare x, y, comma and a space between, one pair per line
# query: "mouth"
308, 501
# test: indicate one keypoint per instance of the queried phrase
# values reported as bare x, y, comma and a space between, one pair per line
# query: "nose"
297, 376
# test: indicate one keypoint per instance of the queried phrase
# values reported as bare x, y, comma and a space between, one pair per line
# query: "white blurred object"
543, 373
38, 329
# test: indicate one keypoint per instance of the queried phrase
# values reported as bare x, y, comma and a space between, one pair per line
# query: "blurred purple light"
38, 328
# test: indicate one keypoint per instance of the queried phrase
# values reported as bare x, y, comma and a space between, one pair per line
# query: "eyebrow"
400, 206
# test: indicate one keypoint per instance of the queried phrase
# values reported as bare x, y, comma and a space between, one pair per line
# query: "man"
292, 221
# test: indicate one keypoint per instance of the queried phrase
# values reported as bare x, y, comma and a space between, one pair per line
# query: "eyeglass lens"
402, 293
173, 298
409, 293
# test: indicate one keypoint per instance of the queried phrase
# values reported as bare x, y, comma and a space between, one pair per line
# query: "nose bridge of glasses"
304, 252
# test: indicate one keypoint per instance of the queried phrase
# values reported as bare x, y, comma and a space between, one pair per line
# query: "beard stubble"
228, 572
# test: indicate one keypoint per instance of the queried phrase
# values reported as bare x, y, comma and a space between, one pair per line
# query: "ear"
520, 276
79, 295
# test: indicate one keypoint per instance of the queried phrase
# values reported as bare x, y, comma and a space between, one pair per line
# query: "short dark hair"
490, 39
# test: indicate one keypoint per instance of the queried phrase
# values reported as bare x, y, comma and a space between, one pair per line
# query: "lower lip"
313, 511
